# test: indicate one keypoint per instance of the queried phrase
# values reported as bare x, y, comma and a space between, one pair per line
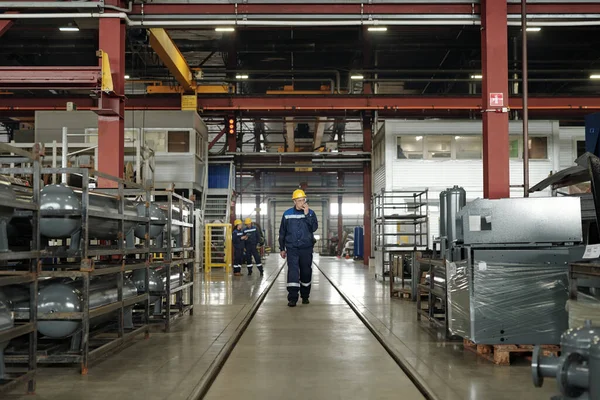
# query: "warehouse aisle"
316, 351
319, 351
445, 365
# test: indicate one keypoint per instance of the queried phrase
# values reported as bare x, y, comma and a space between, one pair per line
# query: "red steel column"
111, 128
367, 146
494, 53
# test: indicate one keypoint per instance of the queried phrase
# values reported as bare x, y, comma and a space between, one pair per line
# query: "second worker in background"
254, 235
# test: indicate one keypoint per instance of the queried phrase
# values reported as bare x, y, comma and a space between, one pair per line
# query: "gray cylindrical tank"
59, 297
156, 228
456, 199
174, 228
6, 322
579, 340
8, 195
157, 281
443, 206
62, 197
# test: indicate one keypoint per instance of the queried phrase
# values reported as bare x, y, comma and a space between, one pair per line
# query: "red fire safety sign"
496, 100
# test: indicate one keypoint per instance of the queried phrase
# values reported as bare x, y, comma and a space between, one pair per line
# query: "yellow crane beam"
170, 55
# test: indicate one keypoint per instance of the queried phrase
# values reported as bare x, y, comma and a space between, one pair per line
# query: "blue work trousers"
299, 272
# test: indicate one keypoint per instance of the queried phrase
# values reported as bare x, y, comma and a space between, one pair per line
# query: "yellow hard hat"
298, 193
237, 222
247, 221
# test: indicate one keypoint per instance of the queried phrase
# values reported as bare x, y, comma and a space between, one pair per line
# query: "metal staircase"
221, 178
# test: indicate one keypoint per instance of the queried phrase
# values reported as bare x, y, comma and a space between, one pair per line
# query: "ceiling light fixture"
357, 77
241, 77
377, 28
595, 76
225, 29
126, 76
533, 29
68, 28
476, 76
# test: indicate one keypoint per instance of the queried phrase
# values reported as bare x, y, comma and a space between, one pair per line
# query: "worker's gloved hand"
282, 254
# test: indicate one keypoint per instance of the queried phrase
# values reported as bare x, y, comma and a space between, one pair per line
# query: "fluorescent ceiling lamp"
357, 77
126, 76
418, 138
224, 29
533, 29
241, 77
69, 29
476, 76
377, 28
595, 76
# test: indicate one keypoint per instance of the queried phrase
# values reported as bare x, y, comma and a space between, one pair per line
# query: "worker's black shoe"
305, 301
249, 271
262, 271
291, 303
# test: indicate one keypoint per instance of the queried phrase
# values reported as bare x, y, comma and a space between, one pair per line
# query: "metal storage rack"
24, 272
436, 305
402, 228
88, 262
176, 256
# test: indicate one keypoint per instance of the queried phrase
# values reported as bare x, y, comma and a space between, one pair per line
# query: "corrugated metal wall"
568, 151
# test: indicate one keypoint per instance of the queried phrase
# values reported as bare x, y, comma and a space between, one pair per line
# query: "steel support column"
111, 128
367, 125
494, 51
340, 221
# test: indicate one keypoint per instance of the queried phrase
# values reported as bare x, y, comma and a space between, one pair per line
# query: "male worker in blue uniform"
239, 240
296, 242
254, 235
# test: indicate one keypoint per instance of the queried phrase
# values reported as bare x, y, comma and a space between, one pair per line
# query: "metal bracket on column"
501, 110
108, 100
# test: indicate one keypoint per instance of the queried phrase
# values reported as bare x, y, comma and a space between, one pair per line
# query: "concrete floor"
321, 350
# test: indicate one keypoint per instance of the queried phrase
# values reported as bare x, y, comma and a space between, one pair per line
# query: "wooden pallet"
500, 354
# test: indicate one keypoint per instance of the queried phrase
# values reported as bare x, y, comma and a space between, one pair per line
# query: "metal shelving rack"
24, 270
401, 219
91, 261
176, 256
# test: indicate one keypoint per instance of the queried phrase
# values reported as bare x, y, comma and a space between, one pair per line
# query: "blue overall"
238, 250
254, 235
296, 238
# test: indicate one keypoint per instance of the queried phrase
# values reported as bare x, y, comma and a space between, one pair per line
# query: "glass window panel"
409, 147
156, 140
580, 148
513, 147
439, 147
468, 147
179, 141
538, 148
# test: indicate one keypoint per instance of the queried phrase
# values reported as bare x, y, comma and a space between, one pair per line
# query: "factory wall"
430, 155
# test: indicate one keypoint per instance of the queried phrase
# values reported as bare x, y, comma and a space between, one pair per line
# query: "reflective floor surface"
318, 351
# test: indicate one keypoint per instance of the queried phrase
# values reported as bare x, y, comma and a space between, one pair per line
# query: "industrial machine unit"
508, 272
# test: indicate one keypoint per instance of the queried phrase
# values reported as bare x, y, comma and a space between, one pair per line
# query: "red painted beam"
307, 9
566, 7
5, 25
494, 54
303, 104
50, 77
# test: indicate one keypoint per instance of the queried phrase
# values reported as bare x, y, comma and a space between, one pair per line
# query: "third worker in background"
254, 236
296, 242
239, 241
